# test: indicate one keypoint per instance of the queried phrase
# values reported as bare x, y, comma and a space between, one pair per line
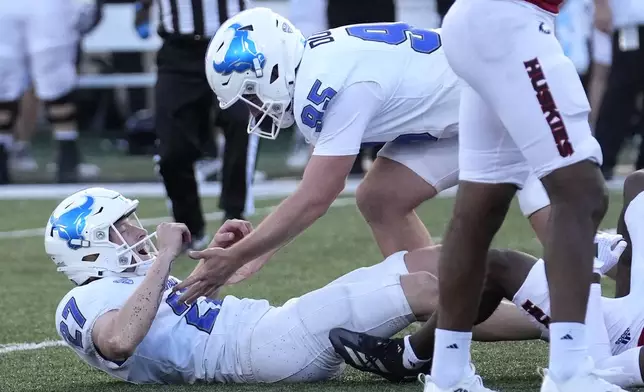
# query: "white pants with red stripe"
525, 107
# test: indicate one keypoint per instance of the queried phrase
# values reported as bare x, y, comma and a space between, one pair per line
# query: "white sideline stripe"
12, 347
213, 216
261, 190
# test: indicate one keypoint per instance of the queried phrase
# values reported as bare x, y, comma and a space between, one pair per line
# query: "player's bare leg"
539, 223
597, 88
22, 158
399, 357
390, 212
633, 186
8, 115
478, 213
504, 279
507, 323
578, 203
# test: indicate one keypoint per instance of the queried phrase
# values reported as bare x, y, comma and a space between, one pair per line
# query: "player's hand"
231, 232
218, 266
171, 238
142, 18
604, 18
246, 271
609, 249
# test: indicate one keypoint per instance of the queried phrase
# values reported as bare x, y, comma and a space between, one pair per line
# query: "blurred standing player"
40, 38
525, 108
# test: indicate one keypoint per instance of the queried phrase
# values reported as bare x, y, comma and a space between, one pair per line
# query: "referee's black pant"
617, 115
184, 125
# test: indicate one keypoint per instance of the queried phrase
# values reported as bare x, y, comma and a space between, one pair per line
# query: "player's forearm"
291, 217
135, 318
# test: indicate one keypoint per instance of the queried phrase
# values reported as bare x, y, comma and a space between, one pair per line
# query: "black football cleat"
367, 353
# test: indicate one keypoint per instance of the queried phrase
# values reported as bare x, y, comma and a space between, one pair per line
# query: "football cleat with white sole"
471, 382
587, 379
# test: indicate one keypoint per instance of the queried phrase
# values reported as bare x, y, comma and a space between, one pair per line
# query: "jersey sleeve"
346, 119
79, 310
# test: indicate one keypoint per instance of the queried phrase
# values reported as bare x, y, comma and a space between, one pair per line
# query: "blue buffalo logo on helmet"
242, 55
71, 224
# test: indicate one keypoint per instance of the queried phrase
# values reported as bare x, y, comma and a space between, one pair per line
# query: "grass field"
338, 243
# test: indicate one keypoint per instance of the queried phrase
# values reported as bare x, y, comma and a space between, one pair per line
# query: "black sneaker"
367, 353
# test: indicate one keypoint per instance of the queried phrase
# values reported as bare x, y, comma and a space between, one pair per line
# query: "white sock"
20, 144
568, 349
451, 357
6, 139
410, 360
598, 341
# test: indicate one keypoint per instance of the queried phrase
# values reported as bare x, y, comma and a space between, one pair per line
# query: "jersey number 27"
71, 308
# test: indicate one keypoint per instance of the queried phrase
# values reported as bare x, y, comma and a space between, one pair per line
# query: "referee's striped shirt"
199, 18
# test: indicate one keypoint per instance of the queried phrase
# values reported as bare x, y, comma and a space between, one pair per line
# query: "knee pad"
61, 110
8, 115
533, 197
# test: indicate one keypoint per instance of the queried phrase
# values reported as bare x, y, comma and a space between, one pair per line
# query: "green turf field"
338, 243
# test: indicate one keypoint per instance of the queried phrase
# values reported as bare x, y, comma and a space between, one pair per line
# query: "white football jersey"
184, 343
374, 83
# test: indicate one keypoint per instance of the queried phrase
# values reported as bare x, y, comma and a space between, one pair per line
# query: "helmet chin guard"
252, 58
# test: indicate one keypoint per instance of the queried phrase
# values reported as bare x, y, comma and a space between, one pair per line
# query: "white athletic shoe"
470, 383
587, 379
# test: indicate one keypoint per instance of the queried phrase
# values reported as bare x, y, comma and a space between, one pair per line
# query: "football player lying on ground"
124, 319
615, 325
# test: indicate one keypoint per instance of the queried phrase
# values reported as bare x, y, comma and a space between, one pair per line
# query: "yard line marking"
212, 216
12, 347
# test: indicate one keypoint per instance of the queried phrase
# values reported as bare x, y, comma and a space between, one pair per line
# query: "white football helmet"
77, 237
253, 58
